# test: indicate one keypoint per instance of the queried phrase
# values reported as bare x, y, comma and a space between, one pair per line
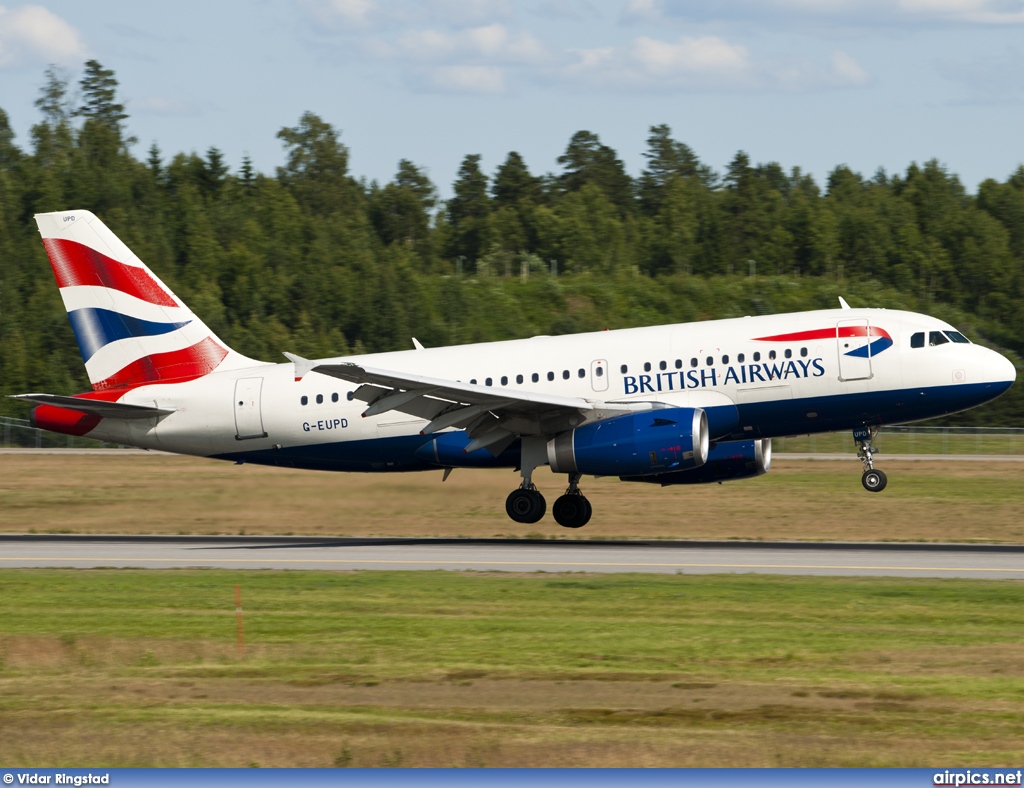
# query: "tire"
525, 506
874, 481
572, 511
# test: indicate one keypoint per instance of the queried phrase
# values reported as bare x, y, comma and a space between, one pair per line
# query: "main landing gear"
872, 479
527, 505
572, 510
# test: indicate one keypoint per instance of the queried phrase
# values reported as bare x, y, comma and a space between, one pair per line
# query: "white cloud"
31, 35
489, 44
707, 55
479, 80
707, 63
848, 71
846, 13
986, 12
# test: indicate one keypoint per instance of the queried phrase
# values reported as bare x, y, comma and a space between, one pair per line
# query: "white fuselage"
779, 386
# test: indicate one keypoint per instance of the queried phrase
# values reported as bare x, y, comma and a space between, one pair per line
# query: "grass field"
799, 499
140, 668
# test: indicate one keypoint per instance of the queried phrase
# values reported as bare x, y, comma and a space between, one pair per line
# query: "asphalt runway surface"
990, 562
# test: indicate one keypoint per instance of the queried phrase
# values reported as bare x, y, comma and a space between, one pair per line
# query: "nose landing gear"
572, 510
872, 479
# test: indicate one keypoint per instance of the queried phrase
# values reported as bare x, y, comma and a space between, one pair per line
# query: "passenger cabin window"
535, 377
663, 365
319, 399
725, 359
937, 338
581, 373
803, 352
334, 397
565, 374
693, 362
487, 382
771, 355
304, 400
551, 376
917, 340
789, 353
519, 378
957, 337
679, 363
757, 355
623, 369
647, 366
504, 380
741, 358
599, 372
710, 360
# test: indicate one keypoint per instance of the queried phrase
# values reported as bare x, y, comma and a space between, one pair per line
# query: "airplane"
692, 403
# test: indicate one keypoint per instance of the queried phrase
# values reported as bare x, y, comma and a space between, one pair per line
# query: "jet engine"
726, 462
638, 444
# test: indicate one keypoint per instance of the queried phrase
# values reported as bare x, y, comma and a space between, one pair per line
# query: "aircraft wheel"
874, 481
525, 506
572, 511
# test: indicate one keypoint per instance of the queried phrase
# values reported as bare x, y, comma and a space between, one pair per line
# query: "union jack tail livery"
131, 329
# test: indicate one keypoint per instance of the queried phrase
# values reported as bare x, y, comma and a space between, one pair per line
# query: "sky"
806, 83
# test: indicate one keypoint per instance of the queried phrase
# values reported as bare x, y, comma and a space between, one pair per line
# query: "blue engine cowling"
726, 462
637, 444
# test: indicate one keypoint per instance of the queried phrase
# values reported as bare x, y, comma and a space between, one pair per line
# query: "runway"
989, 562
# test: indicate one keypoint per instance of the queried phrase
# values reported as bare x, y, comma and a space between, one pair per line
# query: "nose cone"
999, 369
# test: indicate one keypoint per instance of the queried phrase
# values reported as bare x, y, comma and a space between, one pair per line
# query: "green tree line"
314, 260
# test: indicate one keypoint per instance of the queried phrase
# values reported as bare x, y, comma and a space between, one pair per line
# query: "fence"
914, 440
18, 433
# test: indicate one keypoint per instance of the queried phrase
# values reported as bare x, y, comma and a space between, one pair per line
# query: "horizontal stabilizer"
105, 410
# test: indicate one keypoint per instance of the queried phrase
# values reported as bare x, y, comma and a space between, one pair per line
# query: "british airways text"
722, 376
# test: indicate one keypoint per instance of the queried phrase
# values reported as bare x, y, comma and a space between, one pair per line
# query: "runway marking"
193, 561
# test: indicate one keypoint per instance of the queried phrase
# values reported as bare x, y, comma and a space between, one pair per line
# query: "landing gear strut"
873, 480
526, 504
572, 510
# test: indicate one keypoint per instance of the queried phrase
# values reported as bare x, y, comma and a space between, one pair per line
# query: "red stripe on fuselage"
828, 333
176, 366
76, 265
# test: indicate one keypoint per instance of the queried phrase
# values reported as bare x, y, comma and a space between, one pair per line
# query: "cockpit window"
936, 338
917, 340
957, 337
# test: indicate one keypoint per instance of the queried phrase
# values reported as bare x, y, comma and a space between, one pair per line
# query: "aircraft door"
248, 415
853, 338
599, 374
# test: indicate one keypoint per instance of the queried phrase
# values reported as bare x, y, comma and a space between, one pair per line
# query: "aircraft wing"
492, 417
105, 410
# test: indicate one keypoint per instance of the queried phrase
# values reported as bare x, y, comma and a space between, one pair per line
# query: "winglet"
417, 344
302, 365
842, 303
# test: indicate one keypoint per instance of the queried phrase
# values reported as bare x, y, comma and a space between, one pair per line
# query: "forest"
314, 260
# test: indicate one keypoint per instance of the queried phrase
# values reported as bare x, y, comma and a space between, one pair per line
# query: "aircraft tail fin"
131, 329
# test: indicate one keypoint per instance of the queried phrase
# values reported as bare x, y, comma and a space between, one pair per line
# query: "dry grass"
799, 499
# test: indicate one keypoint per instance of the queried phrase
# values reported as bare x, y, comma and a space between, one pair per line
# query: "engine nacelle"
726, 462
636, 444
